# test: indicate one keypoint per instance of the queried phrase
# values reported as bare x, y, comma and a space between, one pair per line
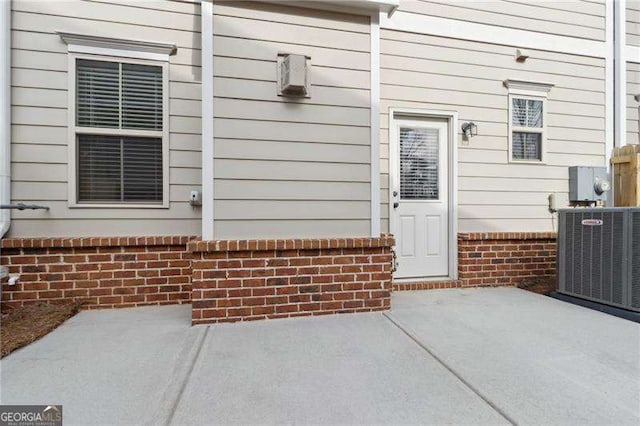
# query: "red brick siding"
260, 279
253, 279
522, 259
102, 272
517, 259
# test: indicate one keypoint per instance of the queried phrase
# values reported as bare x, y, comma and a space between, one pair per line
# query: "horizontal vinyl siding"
283, 167
40, 119
633, 106
633, 22
425, 72
582, 19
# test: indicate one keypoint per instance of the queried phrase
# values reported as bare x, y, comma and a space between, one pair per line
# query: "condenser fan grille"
599, 255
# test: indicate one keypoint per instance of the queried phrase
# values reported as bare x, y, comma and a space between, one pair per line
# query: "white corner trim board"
5, 116
609, 134
206, 15
108, 46
452, 28
375, 124
620, 73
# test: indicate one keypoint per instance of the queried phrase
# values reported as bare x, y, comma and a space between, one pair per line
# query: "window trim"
74, 130
530, 90
542, 131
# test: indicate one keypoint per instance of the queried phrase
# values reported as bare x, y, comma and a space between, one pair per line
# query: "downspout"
206, 15
5, 117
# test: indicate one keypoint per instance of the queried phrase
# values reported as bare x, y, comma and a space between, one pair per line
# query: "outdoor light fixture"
469, 129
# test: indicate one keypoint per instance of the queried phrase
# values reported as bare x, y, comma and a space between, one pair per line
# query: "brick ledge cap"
80, 242
290, 244
481, 236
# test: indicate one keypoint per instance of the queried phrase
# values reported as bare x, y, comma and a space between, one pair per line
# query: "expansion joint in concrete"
466, 383
185, 364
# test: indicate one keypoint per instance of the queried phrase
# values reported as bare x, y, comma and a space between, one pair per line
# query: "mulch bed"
22, 325
544, 285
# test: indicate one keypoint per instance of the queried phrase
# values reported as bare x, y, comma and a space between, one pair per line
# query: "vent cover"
599, 255
293, 75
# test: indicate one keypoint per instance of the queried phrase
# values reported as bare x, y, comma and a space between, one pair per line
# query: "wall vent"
293, 75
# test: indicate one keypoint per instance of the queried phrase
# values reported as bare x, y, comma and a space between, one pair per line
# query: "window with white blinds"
116, 169
527, 129
419, 164
118, 95
119, 132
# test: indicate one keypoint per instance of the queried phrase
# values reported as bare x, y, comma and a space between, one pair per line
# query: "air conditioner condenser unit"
599, 255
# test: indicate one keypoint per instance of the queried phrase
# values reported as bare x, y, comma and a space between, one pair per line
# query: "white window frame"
100, 48
529, 90
74, 130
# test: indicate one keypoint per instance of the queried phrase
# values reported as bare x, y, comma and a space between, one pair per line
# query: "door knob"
395, 205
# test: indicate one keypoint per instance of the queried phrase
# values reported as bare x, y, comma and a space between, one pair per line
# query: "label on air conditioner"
592, 222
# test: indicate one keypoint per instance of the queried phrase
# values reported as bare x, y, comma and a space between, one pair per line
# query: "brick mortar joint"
384, 241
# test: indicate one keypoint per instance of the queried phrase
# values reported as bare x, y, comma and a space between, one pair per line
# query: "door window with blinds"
527, 129
419, 164
119, 132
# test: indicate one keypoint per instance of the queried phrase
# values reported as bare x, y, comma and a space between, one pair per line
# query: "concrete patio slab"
539, 360
476, 356
351, 369
104, 367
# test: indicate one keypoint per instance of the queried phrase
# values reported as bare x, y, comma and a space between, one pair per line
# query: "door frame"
452, 175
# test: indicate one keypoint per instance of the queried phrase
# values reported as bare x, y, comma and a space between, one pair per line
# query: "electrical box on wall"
293, 75
588, 184
195, 198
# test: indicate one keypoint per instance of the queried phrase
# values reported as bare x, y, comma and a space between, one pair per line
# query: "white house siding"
282, 167
633, 106
632, 13
582, 19
39, 113
421, 71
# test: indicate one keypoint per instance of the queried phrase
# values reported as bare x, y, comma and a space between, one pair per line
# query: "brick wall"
514, 258
522, 259
238, 280
258, 279
102, 272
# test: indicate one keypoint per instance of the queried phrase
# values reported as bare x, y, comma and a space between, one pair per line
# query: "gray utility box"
583, 182
599, 255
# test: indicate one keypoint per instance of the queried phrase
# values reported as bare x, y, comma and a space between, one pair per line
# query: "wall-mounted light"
469, 129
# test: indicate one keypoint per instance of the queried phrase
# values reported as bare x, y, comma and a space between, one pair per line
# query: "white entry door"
419, 196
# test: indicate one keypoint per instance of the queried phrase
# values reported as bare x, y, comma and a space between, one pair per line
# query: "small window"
419, 163
119, 132
526, 129
527, 119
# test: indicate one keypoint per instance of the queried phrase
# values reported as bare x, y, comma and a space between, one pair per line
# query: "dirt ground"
544, 285
23, 325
